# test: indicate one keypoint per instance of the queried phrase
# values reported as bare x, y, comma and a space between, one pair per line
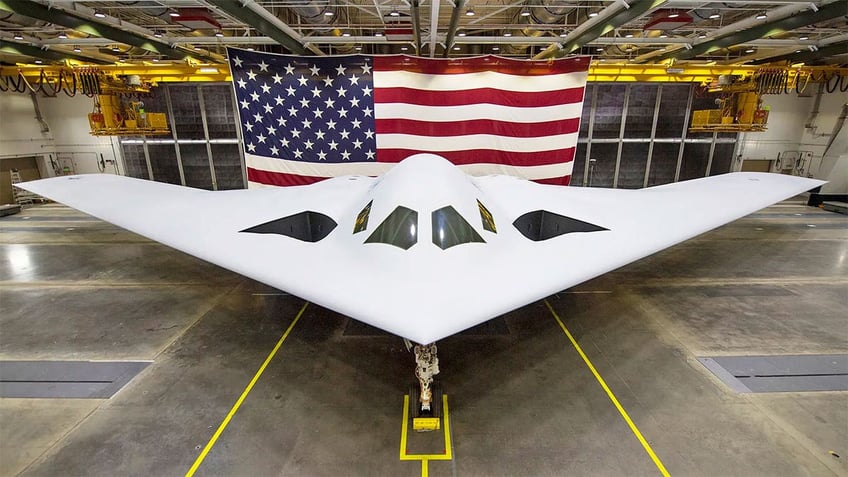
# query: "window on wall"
203, 149
654, 147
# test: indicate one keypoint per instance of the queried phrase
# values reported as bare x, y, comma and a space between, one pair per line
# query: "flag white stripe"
483, 79
311, 169
474, 141
477, 111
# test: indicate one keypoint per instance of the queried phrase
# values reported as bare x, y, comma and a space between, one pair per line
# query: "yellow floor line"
612, 397
244, 394
425, 458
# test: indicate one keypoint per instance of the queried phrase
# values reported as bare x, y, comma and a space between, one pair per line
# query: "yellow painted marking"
612, 397
425, 458
244, 394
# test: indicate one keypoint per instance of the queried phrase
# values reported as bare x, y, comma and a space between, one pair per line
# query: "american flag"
305, 119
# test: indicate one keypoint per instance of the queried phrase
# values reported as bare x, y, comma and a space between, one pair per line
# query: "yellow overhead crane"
117, 113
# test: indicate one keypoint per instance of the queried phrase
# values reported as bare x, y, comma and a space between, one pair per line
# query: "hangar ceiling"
634, 31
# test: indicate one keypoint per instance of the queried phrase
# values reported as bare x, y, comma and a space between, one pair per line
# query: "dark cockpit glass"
486, 216
399, 229
450, 229
362, 219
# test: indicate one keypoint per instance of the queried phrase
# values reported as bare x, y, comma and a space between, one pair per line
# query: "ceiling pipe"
266, 23
45, 54
434, 25
454, 22
777, 13
72, 20
537, 12
805, 18
610, 18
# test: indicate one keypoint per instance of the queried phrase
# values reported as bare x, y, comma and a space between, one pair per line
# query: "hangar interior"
192, 369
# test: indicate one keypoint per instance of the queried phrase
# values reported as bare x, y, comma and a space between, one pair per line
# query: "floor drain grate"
783, 373
66, 379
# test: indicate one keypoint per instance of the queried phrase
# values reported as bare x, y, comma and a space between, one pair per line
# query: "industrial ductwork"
537, 12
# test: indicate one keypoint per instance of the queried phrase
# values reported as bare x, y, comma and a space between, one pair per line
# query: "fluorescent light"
629, 35
593, 14
803, 37
347, 33
174, 14
155, 60
525, 12
715, 15
18, 36
208, 69
99, 14
507, 33
328, 13
462, 33
404, 48
38, 62
600, 48
673, 15
761, 16
496, 48
357, 48
750, 50
456, 48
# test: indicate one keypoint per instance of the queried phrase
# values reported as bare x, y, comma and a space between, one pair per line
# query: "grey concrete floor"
330, 402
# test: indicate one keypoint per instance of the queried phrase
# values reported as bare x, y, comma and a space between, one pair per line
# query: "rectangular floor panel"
66, 379
788, 373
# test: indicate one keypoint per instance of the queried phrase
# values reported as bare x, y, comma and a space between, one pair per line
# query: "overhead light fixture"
629, 35
496, 48
456, 48
469, 12
797, 51
507, 33
219, 33
663, 35
329, 13
750, 50
174, 14
715, 15
38, 62
250, 48
761, 16
461, 33
673, 14
347, 33
379, 33
702, 35
155, 60
593, 14
63, 36
208, 70
394, 13
196, 48
18, 36
77, 49
157, 34
563, 34
525, 12
357, 48
600, 48
404, 48
803, 37
116, 49
99, 14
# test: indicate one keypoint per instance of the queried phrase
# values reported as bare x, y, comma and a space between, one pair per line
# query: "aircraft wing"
423, 293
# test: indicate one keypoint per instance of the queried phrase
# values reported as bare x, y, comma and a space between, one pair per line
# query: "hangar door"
25, 165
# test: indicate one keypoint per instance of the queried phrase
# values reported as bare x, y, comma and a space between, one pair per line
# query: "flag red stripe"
558, 181
279, 178
475, 156
481, 63
476, 126
477, 96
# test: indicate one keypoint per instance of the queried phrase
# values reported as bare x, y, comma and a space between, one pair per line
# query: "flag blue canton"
306, 109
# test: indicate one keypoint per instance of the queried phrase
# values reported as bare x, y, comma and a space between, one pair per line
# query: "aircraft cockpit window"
543, 225
399, 229
450, 229
362, 219
486, 216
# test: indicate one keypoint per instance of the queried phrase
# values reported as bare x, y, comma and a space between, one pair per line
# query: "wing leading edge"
423, 292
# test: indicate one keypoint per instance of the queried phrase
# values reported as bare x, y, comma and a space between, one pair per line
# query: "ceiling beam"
600, 25
808, 17
79, 23
251, 14
454, 22
45, 54
416, 25
434, 25
808, 55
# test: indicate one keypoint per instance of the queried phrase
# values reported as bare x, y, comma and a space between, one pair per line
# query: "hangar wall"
63, 136
788, 116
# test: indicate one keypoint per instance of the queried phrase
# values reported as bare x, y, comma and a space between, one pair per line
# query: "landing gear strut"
427, 366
